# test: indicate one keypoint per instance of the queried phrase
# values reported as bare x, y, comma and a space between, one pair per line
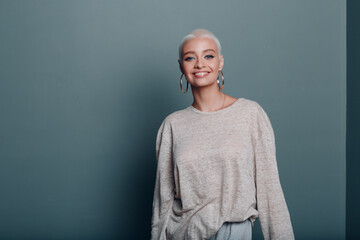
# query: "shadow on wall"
148, 106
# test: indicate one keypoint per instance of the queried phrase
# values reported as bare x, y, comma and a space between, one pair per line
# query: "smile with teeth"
200, 74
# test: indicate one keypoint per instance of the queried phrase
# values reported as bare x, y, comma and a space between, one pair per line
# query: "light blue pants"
234, 231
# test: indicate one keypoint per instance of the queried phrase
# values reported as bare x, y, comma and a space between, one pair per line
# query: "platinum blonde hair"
198, 33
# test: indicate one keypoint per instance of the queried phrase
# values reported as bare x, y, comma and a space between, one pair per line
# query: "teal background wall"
353, 120
84, 86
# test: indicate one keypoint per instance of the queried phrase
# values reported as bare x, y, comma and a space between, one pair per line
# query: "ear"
180, 66
221, 65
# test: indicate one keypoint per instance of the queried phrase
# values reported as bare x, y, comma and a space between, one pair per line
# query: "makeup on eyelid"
207, 56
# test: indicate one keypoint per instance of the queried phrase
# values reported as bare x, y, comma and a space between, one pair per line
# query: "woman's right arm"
164, 183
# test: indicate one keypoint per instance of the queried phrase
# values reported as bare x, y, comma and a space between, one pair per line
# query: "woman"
216, 160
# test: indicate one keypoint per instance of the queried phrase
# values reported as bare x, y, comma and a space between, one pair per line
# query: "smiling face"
200, 61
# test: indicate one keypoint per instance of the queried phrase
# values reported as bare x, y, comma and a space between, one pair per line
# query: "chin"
202, 84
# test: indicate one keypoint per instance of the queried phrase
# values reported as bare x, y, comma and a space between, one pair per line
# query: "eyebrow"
206, 50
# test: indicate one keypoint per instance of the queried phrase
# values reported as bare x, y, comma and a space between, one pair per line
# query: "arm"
273, 212
164, 184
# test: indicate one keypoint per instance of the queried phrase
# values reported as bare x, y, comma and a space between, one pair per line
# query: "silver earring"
187, 84
222, 77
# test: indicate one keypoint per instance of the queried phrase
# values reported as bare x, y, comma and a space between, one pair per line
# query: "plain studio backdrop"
84, 86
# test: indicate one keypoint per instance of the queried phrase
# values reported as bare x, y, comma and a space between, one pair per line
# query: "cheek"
215, 65
186, 68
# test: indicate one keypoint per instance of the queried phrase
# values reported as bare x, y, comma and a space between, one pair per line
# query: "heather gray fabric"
214, 167
234, 231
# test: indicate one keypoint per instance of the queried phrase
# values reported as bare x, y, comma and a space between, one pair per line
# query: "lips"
201, 74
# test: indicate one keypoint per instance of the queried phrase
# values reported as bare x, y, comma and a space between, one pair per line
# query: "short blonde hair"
197, 33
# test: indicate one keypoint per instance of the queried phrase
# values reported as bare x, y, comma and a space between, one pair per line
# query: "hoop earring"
187, 84
222, 77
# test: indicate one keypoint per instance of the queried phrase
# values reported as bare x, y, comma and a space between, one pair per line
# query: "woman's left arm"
273, 211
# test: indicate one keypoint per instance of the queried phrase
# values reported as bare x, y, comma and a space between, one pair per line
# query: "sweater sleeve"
273, 212
164, 184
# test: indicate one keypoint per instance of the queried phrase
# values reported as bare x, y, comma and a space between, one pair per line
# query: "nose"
199, 63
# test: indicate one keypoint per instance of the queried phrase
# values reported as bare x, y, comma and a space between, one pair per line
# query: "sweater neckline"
217, 111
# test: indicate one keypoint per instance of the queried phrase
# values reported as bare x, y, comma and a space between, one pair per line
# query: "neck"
208, 99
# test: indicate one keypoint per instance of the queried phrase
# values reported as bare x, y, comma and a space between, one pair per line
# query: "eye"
209, 56
188, 58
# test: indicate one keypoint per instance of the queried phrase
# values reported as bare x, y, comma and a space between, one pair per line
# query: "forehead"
199, 44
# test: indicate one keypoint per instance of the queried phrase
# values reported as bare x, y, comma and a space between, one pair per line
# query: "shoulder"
171, 119
176, 117
252, 106
259, 118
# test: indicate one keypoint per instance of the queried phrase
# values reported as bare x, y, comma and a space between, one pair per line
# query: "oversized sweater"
216, 167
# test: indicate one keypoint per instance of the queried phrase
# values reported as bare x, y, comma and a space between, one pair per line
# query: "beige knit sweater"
216, 167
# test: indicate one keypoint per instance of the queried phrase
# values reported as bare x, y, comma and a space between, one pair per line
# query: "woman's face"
200, 62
